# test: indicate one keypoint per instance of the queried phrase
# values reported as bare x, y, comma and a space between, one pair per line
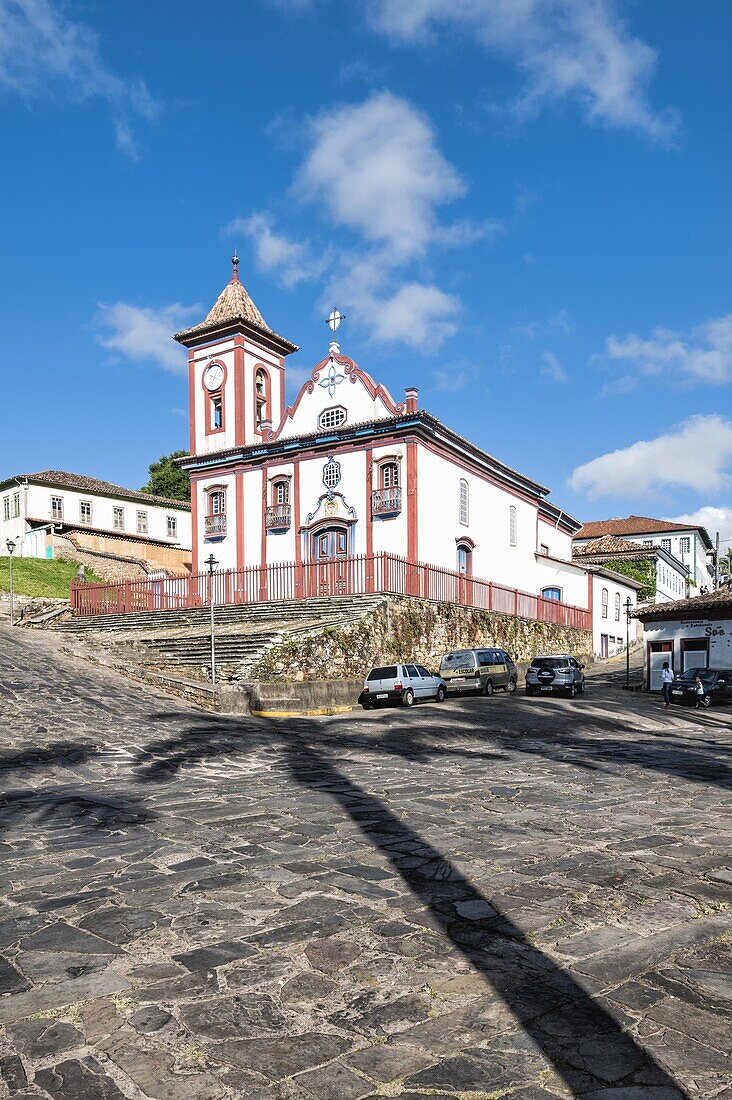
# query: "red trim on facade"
239, 392
263, 555
194, 530
412, 532
192, 399
239, 517
352, 371
368, 515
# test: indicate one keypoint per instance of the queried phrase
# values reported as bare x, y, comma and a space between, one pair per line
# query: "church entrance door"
329, 549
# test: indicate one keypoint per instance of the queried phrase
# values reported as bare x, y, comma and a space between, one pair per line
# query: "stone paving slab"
492, 897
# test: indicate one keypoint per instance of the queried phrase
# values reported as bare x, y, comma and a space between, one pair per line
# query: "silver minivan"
555, 673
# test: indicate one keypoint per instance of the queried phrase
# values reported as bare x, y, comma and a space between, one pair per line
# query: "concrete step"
271, 611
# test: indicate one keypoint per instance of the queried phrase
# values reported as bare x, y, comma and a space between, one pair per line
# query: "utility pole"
628, 609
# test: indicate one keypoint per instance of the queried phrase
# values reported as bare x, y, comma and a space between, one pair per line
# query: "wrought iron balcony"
277, 517
386, 502
215, 526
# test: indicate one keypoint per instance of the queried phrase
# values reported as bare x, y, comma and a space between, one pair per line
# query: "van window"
459, 659
389, 672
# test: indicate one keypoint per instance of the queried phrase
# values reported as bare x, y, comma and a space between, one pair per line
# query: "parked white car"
405, 684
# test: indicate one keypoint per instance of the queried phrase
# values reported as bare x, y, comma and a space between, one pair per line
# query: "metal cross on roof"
334, 319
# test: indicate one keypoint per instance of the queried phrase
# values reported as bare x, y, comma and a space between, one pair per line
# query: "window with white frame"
16, 505
685, 545
604, 603
172, 522
281, 491
217, 502
666, 544
617, 607
57, 508
648, 542
544, 549
6, 508
464, 502
512, 525
85, 511
389, 475
332, 417
118, 518
142, 523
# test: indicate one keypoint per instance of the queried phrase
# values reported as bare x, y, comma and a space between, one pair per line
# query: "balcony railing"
215, 526
386, 502
277, 517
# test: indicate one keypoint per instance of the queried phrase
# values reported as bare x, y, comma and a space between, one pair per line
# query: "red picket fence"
354, 576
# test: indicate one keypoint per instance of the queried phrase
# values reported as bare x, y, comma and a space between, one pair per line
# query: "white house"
688, 545
693, 633
39, 511
669, 574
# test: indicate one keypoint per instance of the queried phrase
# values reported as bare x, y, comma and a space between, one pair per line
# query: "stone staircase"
180, 639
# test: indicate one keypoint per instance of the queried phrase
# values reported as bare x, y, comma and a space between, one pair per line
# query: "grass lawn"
38, 577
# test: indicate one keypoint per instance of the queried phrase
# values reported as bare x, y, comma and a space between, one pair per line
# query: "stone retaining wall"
419, 630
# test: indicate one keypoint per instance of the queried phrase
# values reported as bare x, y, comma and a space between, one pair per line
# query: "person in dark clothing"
666, 681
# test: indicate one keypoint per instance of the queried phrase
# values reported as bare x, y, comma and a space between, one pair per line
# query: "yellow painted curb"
301, 713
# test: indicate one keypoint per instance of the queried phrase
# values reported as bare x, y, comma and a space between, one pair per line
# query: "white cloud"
714, 519
576, 49
419, 315
704, 353
551, 367
697, 455
143, 334
375, 168
288, 261
42, 52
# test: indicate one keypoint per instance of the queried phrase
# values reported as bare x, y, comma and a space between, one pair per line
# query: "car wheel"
581, 688
572, 691
408, 698
511, 686
440, 697
488, 689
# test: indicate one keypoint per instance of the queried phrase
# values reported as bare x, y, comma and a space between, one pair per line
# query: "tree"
167, 479
643, 570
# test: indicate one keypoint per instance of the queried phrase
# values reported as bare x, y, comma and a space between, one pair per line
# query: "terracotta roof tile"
636, 525
62, 479
720, 598
609, 544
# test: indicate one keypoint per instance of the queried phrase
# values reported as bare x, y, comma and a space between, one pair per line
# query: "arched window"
604, 603
464, 502
261, 397
551, 593
389, 475
617, 607
278, 512
281, 491
512, 526
215, 518
464, 559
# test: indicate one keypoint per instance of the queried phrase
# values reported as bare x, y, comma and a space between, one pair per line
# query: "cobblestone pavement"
492, 896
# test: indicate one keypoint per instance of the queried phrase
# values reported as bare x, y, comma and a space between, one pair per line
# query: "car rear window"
388, 672
458, 659
550, 662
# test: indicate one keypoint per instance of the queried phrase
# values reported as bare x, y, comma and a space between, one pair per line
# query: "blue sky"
522, 209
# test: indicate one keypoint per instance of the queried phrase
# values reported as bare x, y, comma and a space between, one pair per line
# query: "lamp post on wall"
628, 609
212, 563
11, 548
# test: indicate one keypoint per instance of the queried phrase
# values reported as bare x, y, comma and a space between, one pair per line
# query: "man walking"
666, 681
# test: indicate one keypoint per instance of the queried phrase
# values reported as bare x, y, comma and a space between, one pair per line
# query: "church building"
315, 497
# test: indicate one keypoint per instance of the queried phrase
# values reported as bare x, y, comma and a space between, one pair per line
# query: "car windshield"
459, 657
705, 674
388, 672
550, 662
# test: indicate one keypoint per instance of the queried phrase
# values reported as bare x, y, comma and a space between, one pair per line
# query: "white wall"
614, 626
360, 406
35, 501
717, 632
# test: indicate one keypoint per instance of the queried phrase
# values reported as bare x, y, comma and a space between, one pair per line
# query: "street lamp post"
212, 563
11, 547
628, 609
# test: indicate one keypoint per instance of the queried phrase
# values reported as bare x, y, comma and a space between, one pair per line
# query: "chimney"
411, 394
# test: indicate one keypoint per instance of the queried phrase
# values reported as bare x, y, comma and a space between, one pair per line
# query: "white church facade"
314, 497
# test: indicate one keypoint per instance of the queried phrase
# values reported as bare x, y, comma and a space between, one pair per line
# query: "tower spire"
235, 267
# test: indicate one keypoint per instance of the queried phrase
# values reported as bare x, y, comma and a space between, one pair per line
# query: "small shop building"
694, 633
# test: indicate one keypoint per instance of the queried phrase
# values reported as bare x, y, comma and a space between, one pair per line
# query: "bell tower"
236, 372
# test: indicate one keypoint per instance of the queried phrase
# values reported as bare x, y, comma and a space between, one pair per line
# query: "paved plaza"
504, 896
